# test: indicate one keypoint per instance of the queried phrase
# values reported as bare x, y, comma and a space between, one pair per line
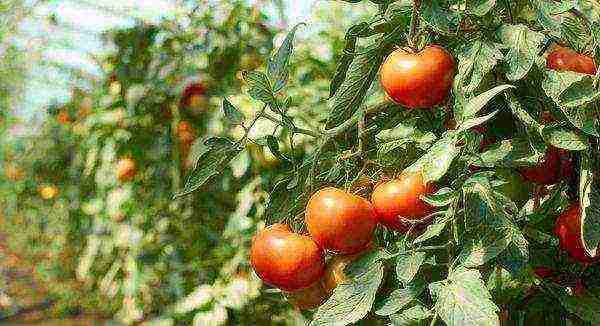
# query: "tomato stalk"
414, 25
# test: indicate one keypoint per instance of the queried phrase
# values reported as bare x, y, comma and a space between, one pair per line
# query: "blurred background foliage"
78, 240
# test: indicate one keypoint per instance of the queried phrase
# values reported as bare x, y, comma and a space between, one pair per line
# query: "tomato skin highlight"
400, 198
565, 59
418, 80
339, 221
568, 230
545, 173
285, 259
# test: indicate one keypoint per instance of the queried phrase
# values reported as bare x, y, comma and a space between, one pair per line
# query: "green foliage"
326, 122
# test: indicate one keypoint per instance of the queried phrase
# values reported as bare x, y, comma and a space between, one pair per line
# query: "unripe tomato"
285, 259
400, 198
418, 80
339, 221
125, 169
48, 192
565, 59
545, 173
309, 298
568, 230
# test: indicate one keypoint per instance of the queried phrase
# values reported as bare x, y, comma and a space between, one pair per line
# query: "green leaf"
523, 45
462, 299
561, 137
347, 56
260, 87
436, 162
509, 153
546, 12
489, 228
402, 135
570, 89
232, 113
521, 114
350, 95
468, 124
211, 162
481, 250
351, 302
575, 33
480, 7
443, 197
589, 193
474, 105
443, 21
413, 316
437, 227
273, 145
399, 298
277, 67
407, 266
366, 262
586, 307
475, 61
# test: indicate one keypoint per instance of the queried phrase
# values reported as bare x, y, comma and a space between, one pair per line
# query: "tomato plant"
458, 140
462, 226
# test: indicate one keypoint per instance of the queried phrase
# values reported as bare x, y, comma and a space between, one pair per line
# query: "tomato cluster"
340, 223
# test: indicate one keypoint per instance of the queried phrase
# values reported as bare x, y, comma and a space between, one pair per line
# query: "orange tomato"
339, 221
418, 80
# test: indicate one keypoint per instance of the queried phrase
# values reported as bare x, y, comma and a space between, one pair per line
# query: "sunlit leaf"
462, 299
589, 193
442, 20
475, 61
523, 45
350, 302
350, 95
277, 67
399, 298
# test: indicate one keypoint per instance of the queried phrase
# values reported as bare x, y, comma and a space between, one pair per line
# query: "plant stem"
259, 115
296, 130
414, 24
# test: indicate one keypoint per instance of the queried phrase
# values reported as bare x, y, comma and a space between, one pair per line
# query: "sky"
76, 35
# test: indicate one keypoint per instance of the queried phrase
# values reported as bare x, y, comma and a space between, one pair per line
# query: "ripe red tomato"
565, 59
309, 298
418, 80
285, 259
63, 117
339, 221
545, 173
125, 169
568, 230
400, 198
192, 94
544, 272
